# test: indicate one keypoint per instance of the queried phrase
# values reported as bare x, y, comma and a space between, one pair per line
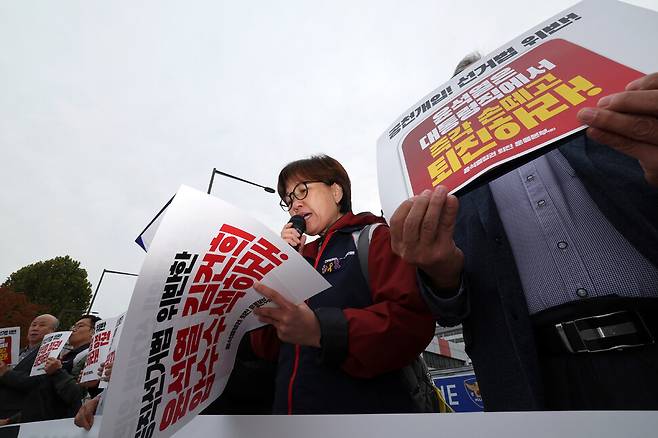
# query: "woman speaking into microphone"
343, 351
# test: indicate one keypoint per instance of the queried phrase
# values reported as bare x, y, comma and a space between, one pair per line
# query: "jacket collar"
347, 223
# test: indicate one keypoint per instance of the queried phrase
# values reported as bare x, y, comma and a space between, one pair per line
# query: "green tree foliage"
59, 284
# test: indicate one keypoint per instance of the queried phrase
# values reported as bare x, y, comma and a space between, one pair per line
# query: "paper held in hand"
111, 351
191, 305
98, 349
51, 346
10, 339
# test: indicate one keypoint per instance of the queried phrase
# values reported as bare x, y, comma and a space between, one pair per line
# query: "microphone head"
269, 190
298, 223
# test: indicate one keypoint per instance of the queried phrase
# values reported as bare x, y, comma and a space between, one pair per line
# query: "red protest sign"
522, 107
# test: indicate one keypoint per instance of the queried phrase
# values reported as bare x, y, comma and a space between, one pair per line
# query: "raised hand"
422, 230
294, 323
628, 122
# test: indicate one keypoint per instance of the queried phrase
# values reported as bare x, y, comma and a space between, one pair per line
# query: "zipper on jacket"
297, 347
292, 379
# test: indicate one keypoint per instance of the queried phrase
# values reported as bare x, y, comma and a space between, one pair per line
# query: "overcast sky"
106, 108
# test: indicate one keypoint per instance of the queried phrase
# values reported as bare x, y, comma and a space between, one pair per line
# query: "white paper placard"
114, 343
51, 346
98, 349
192, 304
565, 424
10, 340
596, 27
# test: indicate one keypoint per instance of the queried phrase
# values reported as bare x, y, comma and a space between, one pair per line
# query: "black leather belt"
612, 330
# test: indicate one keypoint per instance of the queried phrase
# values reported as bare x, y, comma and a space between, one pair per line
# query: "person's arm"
20, 380
14, 419
264, 343
396, 328
85, 415
365, 342
66, 387
628, 122
422, 229
64, 383
449, 307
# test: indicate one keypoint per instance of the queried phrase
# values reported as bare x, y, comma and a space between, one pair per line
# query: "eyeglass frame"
76, 327
285, 207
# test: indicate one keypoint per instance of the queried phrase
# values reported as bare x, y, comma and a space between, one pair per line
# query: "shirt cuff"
334, 334
447, 306
425, 284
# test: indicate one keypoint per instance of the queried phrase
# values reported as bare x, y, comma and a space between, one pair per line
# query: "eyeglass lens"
299, 192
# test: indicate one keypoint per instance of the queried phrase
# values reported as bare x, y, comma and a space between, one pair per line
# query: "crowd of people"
56, 394
552, 269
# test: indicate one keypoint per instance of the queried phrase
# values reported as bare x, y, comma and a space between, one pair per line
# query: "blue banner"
461, 392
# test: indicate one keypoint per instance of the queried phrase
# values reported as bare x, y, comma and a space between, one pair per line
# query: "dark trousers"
602, 381
624, 379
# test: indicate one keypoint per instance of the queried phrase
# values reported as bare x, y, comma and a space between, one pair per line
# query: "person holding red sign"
344, 349
553, 268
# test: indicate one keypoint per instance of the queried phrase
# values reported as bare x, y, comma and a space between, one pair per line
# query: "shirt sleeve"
265, 343
20, 380
396, 328
66, 387
449, 308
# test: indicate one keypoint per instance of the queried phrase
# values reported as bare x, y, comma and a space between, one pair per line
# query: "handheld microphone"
299, 224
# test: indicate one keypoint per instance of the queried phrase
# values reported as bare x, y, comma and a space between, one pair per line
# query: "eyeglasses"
79, 326
299, 192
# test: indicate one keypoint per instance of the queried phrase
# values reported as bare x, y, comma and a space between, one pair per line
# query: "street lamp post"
144, 238
93, 297
215, 171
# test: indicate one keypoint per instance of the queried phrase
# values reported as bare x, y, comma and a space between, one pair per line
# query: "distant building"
452, 371
446, 351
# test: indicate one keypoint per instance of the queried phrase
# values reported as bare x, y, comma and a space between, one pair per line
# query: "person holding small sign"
16, 383
553, 268
343, 350
58, 394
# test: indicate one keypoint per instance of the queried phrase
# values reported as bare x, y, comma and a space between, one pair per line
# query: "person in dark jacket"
59, 395
16, 383
342, 351
553, 268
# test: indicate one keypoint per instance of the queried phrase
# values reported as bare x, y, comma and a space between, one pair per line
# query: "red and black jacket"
367, 333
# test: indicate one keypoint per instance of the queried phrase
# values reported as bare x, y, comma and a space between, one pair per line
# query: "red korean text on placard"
234, 261
511, 112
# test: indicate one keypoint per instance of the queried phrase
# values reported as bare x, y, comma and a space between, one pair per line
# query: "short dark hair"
93, 318
318, 168
467, 60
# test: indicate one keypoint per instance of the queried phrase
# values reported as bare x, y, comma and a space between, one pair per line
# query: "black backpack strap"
416, 376
362, 240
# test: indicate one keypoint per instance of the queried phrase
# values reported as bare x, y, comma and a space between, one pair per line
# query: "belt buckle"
598, 332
